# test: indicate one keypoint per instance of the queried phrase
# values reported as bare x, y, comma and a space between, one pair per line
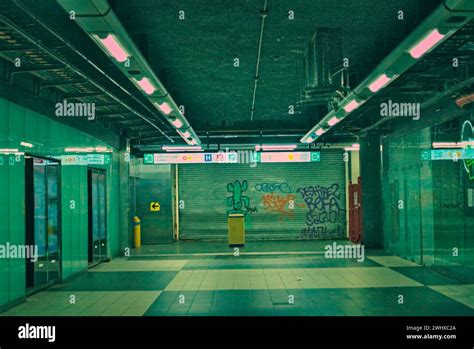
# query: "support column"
370, 168
124, 214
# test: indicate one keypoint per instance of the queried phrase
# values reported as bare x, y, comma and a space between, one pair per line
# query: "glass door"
42, 221
97, 216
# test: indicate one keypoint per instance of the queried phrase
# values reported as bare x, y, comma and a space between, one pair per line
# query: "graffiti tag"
280, 204
273, 187
320, 232
323, 204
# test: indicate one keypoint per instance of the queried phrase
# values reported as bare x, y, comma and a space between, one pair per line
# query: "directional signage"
448, 154
315, 156
286, 157
148, 159
231, 157
155, 206
89, 159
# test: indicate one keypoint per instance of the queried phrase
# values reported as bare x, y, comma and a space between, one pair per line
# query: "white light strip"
181, 148
276, 147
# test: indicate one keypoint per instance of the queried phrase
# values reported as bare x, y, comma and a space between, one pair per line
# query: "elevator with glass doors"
97, 216
42, 225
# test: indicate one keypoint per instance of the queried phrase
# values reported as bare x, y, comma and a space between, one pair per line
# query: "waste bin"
236, 225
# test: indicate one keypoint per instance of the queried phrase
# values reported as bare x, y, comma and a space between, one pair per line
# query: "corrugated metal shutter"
280, 200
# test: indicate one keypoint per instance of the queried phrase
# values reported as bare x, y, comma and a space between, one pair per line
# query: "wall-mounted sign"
447, 154
89, 159
231, 157
155, 206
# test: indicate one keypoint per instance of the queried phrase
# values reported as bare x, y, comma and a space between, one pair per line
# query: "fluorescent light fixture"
276, 147
176, 122
79, 150
351, 149
87, 150
26, 144
113, 47
186, 134
310, 139
334, 120
426, 44
380, 82
164, 107
180, 148
319, 131
466, 144
145, 85
8, 151
352, 105
449, 145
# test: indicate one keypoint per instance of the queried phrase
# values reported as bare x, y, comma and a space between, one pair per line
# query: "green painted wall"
49, 138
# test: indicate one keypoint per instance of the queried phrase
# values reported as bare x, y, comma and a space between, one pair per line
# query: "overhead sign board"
89, 159
448, 154
232, 157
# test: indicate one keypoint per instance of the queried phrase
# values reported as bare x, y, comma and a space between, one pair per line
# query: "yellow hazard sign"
154, 206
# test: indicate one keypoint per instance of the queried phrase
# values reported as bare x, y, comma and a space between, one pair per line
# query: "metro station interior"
236, 158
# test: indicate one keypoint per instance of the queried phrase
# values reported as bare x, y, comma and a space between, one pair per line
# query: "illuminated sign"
84, 160
448, 154
286, 157
231, 157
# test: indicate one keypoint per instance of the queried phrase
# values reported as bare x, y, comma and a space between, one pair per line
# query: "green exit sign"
148, 159
315, 156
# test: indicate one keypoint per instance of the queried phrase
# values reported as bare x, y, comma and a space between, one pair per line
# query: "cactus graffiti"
237, 202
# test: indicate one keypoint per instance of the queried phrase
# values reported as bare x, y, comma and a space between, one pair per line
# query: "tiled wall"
49, 138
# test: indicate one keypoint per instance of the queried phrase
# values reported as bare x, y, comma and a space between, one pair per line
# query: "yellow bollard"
137, 232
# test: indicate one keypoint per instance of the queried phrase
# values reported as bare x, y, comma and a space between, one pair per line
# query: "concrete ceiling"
194, 57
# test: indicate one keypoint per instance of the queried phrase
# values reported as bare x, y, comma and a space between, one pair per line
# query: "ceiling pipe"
76, 70
464, 100
263, 14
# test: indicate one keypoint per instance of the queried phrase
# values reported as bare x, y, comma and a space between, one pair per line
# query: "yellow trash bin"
137, 232
236, 225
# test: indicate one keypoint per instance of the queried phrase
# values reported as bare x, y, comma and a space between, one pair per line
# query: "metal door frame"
32, 290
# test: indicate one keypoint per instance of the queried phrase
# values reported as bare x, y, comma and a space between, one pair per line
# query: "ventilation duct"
322, 63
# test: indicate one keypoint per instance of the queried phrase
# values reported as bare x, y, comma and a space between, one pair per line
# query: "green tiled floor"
122, 264
193, 247
393, 261
119, 281
462, 293
272, 263
313, 302
255, 285
288, 279
97, 303
426, 276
